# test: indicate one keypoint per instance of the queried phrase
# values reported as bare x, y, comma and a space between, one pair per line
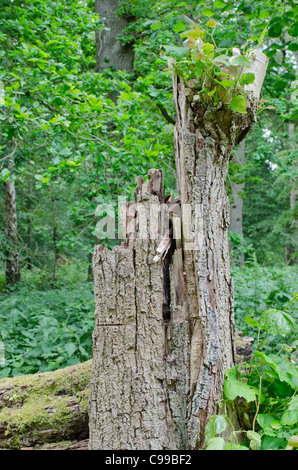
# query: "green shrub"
44, 330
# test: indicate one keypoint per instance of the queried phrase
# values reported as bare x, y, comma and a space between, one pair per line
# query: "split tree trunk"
164, 333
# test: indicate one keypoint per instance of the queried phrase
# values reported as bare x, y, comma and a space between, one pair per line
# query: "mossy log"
43, 408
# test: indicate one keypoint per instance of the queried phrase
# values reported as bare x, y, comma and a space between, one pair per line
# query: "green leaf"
234, 388
216, 425
252, 322
233, 446
70, 348
208, 49
247, 78
275, 30
294, 116
265, 420
290, 416
285, 370
255, 439
240, 60
176, 51
293, 46
208, 12
227, 83
272, 443
222, 59
215, 443
275, 322
155, 26
293, 30
4, 174
219, 4
238, 104
180, 26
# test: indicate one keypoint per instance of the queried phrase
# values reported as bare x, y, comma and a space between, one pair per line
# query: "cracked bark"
129, 400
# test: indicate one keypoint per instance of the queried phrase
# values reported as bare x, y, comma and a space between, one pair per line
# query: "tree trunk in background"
55, 232
237, 197
29, 225
164, 333
109, 51
12, 272
291, 251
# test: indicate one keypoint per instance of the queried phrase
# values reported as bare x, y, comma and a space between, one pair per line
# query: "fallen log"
43, 408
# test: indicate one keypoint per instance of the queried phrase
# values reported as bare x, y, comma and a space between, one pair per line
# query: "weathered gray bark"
204, 139
164, 333
237, 197
131, 372
12, 271
109, 50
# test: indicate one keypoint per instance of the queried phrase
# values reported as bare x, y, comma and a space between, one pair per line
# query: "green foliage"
214, 72
269, 382
259, 289
45, 329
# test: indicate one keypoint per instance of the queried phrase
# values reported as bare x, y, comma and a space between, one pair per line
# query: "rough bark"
204, 139
12, 272
109, 50
237, 197
129, 400
164, 333
43, 408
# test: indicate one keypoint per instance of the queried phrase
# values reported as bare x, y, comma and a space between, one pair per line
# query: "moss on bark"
47, 407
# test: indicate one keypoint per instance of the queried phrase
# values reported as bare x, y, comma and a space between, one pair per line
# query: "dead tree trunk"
164, 333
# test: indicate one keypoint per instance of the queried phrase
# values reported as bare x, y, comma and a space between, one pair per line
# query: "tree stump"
164, 333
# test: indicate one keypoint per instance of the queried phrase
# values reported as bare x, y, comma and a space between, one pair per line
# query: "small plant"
216, 74
266, 387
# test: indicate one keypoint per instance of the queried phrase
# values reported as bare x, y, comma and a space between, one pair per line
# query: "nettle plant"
217, 75
264, 391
